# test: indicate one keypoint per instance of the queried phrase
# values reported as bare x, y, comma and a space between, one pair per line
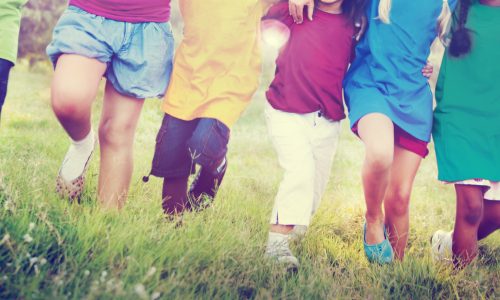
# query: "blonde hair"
443, 22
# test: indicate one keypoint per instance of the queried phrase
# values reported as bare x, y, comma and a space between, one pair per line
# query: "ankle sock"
77, 157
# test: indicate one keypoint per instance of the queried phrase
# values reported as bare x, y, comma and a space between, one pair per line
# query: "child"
10, 19
467, 128
131, 44
390, 106
304, 111
216, 72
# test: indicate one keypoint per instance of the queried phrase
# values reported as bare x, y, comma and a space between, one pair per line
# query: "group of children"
215, 73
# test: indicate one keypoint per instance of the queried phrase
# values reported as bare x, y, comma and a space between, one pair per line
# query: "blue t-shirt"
386, 75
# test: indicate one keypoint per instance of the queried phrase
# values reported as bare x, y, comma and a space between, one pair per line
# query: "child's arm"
268, 3
279, 12
297, 9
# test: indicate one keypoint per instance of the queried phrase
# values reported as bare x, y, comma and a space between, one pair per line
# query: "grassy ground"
51, 249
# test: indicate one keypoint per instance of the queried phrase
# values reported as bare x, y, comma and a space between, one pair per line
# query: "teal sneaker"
381, 253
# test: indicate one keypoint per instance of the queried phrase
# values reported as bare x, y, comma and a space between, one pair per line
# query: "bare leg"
119, 120
491, 219
377, 132
74, 88
175, 200
397, 198
468, 218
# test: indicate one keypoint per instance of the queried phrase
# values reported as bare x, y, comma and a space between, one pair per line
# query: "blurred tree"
39, 18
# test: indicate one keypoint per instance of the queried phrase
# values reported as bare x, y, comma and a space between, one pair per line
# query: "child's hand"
297, 9
361, 27
428, 70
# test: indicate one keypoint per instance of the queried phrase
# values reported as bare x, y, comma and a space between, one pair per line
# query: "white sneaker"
441, 245
278, 249
297, 234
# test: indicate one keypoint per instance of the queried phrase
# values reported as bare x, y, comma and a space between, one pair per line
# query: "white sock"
77, 157
277, 244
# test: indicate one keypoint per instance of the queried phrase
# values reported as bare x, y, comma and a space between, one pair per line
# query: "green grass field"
50, 249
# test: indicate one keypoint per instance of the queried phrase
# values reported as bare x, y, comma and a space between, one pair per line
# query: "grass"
80, 252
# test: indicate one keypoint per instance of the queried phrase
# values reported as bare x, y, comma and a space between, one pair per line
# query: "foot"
374, 231
441, 245
381, 253
205, 186
297, 234
278, 249
71, 178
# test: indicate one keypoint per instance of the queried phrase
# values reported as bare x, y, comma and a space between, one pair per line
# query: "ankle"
87, 139
375, 219
282, 229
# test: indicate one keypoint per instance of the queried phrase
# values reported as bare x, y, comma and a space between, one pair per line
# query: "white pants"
306, 145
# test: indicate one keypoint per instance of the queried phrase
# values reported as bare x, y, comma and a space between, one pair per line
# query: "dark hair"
353, 9
461, 41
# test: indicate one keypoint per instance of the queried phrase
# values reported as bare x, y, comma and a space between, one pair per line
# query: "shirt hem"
179, 114
124, 19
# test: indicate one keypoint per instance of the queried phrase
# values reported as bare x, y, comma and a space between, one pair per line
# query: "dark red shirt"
311, 66
133, 11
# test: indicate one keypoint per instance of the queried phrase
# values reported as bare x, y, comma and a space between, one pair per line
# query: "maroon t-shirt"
311, 66
133, 11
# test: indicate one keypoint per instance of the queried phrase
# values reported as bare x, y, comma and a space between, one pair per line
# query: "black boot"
205, 186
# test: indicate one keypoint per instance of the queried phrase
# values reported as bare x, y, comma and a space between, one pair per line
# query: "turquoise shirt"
467, 116
386, 75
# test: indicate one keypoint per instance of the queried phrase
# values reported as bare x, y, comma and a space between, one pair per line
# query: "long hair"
354, 10
443, 22
461, 42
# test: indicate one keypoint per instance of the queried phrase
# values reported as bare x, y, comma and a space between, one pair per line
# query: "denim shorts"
138, 55
180, 145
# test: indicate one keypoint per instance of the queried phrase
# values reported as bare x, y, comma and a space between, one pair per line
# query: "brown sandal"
71, 190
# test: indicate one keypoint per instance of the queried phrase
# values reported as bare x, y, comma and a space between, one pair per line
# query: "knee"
69, 102
470, 204
379, 159
398, 200
117, 133
473, 213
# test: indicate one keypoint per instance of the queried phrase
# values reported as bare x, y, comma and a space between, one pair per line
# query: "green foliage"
81, 252
39, 19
